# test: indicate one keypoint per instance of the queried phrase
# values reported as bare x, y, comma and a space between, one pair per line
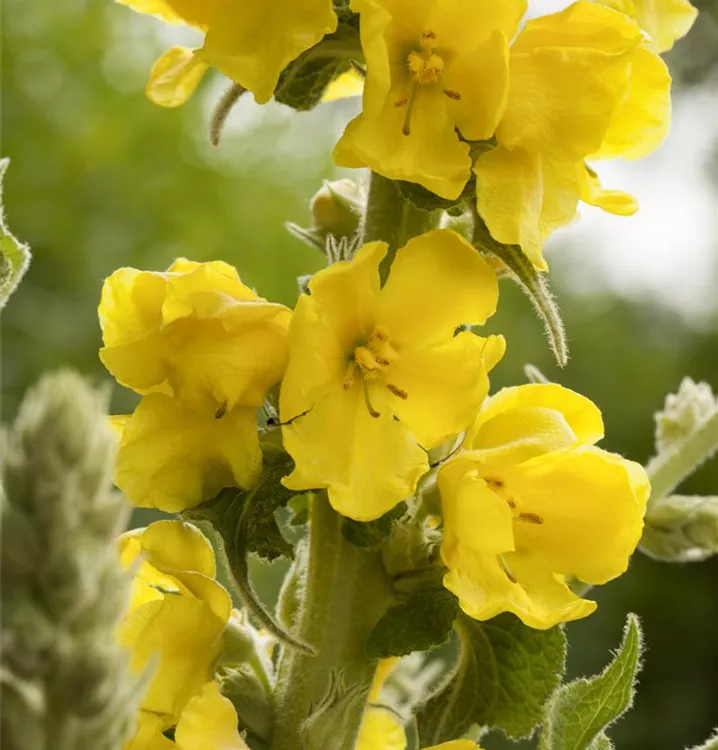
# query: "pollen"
374, 356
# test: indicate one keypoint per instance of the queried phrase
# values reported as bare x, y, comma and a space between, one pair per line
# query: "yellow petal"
367, 464
209, 722
523, 196
182, 636
253, 49
163, 9
466, 26
475, 517
148, 734
173, 458
480, 78
456, 745
613, 201
175, 545
437, 282
345, 86
431, 154
174, 77
640, 125
579, 415
380, 730
382, 674
445, 386
591, 504
539, 598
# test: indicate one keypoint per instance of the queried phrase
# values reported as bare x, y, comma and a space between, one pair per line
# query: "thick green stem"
345, 593
392, 219
668, 470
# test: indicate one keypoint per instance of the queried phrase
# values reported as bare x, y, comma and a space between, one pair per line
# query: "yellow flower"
533, 502
377, 376
433, 66
665, 21
204, 348
583, 85
177, 613
381, 730
208, 722
247, 40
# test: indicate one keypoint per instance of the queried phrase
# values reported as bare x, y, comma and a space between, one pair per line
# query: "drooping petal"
591, 506
467, 25
523, 196
642, 122
580, 419
613, 201
174, 77
209, 722
444, 384
380, 730
163, 9
345, 86
173, 458
148, 733
368, 464
252, 43
175, 545
437, 282
538, 597
182, 635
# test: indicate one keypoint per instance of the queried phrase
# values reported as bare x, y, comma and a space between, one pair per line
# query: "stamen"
349, 377
406, 127
505, 567
401, 102
221, 411
497, 484
398, 392
455, 95
383, 361
531, 518
372, 411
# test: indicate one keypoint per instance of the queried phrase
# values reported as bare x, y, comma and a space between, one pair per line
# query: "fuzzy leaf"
710, 744
532, 284
506, 673
428, 201
372, 533
601, 743
14, 255
304, 82
423, 621
580, 711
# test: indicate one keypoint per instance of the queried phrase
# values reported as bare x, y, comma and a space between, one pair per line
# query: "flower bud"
337, 208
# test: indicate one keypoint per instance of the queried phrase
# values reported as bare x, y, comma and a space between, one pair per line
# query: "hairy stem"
345, 593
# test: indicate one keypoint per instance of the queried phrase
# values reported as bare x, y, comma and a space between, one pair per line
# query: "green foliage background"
101, 178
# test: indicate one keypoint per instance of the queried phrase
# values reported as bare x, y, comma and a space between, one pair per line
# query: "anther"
349, 377
398, 392
455, 95
531, 518
221, 411
497, 484
372, 411
402, 102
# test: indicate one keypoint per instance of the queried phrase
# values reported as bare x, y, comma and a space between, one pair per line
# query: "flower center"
425, 68
369, 361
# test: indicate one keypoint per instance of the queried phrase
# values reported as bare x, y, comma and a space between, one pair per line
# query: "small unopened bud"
682, 529
683, 413
337, 208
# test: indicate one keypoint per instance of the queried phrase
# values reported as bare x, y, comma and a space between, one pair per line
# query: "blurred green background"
101, 178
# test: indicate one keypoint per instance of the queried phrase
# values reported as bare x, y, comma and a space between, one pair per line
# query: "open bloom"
249, 41
433, 66
533, 502
377, 376
203, 349
177, 616
208, 722
583, 85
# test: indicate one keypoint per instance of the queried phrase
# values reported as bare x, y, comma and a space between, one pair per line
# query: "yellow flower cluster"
175, 626
373, 377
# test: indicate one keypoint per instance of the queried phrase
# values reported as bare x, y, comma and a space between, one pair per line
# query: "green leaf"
423, 621
372, 533
580, 711
506, 674
601, 743
14, 255
428, 201
531, 282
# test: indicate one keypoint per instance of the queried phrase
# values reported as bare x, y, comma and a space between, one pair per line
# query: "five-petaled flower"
532, 503
434, 67
583, 85
251, 42
202, 349
377, 376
